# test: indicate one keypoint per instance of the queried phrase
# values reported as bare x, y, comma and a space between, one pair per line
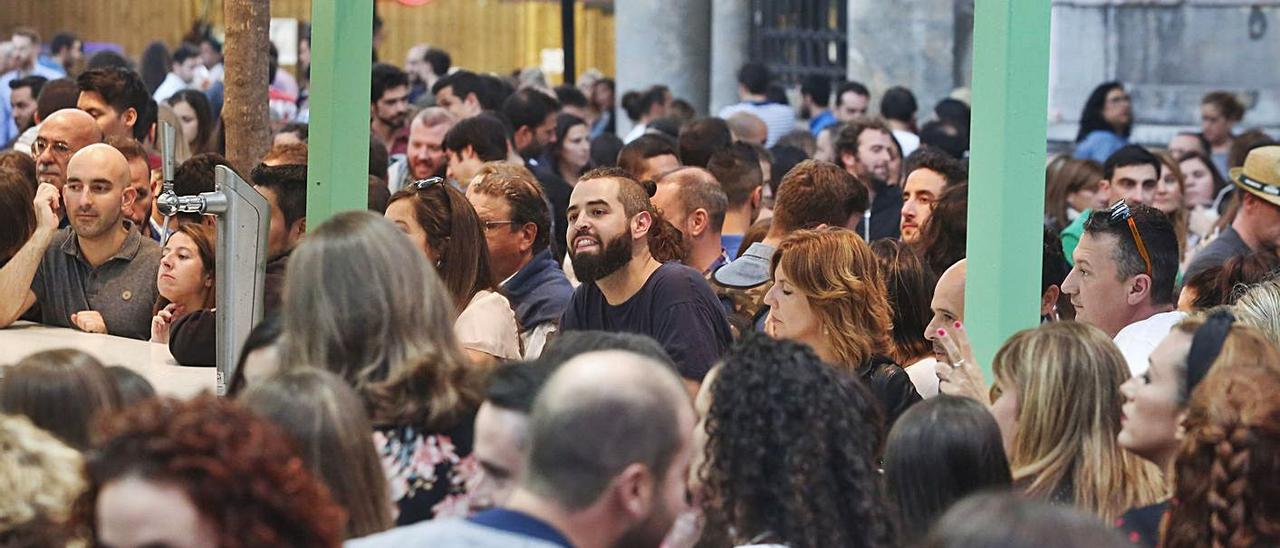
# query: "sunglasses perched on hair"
1120, 213
423, 184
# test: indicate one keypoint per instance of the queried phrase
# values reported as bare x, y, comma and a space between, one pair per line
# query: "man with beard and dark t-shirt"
624, 288
389, 107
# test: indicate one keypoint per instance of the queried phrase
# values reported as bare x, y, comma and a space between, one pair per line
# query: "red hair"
239, 471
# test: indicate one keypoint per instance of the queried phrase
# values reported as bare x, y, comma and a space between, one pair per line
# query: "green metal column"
1006, 194
338, 160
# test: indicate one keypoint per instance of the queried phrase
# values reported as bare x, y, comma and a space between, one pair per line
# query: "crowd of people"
730, 330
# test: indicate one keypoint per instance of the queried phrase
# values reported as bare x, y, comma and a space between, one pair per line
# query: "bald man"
625, 414
61, 135
96, 274
692, 200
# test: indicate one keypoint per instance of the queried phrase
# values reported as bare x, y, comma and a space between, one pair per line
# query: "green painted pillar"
341, 61
1006, 194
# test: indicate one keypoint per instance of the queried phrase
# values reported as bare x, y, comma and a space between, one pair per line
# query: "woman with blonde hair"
828, 293
1259, 307
329, 428
363, 303
1058, 403
40, 478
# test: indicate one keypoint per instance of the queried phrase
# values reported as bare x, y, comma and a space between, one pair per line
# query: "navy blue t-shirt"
675, 307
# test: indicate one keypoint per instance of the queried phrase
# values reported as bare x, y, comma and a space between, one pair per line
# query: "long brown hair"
1067, 378
1225, 488
909, 287
1180, 217
454, 231
16, 194
1065, 176
330, 430
61, 391
836, 270
362, 302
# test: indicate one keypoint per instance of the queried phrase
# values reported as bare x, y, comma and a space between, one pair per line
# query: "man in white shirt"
753, 81
182, 72
1123, 279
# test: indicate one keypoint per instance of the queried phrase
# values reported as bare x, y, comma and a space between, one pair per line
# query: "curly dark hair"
238, 470
791, 451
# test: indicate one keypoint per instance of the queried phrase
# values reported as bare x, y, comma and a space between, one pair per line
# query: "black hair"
1010, 520
185, 51
439, 61
289, 183
633, 155
791, 450
737, 168
379, 158
484, 133
668, 126
943, 239
463, 83
945, 136
776, 93
197, 175
384, 78
1159, 238
107, 59
954, 111
1130, 155
1053, 260
605, 149
785, 157
937, 161
755, 77
638, 104
856, 87
514, 385
701, 138
122, 89
133, 388
898, 103
940, 451
301, 129
34, 81
1091, 117
62, 41
571, 344
265, 334
529, 108
571, 96
818, 88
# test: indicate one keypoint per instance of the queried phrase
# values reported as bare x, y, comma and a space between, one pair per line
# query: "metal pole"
1006, 199
337, 165
568, 41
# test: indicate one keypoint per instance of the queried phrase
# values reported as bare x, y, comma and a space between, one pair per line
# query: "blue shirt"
821, 122
520, 524
731, 243
1099, 145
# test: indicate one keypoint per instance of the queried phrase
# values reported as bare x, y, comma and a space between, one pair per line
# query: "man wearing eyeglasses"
61, 135
1129, 174
1123, 278
98, 274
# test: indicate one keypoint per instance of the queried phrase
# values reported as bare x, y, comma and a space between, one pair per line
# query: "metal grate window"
797, 38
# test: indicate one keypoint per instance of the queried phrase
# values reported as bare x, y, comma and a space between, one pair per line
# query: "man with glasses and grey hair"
1123, 278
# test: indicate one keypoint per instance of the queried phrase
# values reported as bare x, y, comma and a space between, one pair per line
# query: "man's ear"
528, 233
1139, 289
522, 137
757, 197
129, 117
641, 224
699, 222
127, 197
299, 228
847, 159
1049, 300
635, 489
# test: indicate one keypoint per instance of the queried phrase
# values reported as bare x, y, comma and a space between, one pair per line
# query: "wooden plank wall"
486, 35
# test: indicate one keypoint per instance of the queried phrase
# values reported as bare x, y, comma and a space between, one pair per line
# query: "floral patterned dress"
427, 472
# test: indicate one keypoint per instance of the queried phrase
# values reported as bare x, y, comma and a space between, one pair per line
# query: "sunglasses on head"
423, 184
1120, 213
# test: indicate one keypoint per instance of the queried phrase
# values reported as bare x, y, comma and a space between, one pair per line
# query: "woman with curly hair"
39, 480
1057, 401
1156, 402
201, 473
828, 294
785, 452
1226, 488
361, 302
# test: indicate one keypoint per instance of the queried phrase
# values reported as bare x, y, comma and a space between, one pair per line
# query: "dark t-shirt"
886, 211
1227, 245
122, 289
675, 306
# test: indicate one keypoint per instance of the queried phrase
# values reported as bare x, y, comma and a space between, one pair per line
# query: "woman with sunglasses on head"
441, 223
1156, 409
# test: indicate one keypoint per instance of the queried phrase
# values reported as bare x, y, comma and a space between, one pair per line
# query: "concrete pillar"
730, 44
912, 45
663, 42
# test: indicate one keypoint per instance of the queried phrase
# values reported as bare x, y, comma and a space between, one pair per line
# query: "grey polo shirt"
122, 289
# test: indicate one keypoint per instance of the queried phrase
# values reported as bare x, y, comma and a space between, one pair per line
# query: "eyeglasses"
491, 224
423, 184
60, 148
1120, 212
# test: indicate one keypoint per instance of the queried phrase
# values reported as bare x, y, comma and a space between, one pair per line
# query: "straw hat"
1260, 175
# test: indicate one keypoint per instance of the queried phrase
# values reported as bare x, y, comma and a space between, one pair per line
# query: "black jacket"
890, 384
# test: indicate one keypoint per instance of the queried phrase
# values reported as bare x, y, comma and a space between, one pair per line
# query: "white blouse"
488, 325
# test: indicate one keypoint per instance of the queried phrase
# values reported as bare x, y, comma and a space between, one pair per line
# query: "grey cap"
749, 270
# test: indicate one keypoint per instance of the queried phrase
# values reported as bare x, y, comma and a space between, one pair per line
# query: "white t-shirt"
909, 141
488, 325
1138, 339
924, 375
